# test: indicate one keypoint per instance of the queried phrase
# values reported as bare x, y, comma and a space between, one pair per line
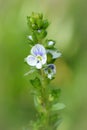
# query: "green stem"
45, 101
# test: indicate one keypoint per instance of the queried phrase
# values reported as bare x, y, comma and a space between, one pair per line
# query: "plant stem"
45, 102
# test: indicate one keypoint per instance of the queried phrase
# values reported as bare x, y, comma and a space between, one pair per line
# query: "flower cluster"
42, 54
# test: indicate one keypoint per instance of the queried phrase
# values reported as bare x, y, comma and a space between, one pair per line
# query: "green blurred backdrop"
69, 28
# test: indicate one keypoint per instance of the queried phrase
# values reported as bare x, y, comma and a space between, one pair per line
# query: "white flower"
55, 54
38, 56
30, 37
51, 43
50, 71
39, 30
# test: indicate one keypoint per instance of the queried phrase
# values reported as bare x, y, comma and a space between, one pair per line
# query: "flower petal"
55, 54
38, 50
31, 60
39, 65
44, 59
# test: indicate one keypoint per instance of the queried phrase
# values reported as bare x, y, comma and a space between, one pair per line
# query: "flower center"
39, 58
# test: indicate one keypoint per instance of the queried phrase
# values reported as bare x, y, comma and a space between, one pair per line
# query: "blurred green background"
69, 28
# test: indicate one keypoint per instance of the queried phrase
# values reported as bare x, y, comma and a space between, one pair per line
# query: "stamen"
39, 58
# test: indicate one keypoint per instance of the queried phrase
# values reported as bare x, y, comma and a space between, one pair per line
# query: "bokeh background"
68, 26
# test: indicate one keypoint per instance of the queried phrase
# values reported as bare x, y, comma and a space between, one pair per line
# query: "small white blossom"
39, 30
55, 54
50, 71
38, 56
30, 37
50, 43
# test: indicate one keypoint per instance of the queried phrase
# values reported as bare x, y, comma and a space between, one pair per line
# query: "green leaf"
58, 122
57, 106
36, 101
39, 34
56, 93
49, 58
39, 23
39, 106
29, 72
45, 23
43, 33
36, 82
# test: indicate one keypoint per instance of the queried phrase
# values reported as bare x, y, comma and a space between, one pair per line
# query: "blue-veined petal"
31, 60
38, 50
44, 59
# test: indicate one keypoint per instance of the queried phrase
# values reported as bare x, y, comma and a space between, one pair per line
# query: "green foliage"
54, 94
37, 26
36, 82
36, 22
57, 106
49, 58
